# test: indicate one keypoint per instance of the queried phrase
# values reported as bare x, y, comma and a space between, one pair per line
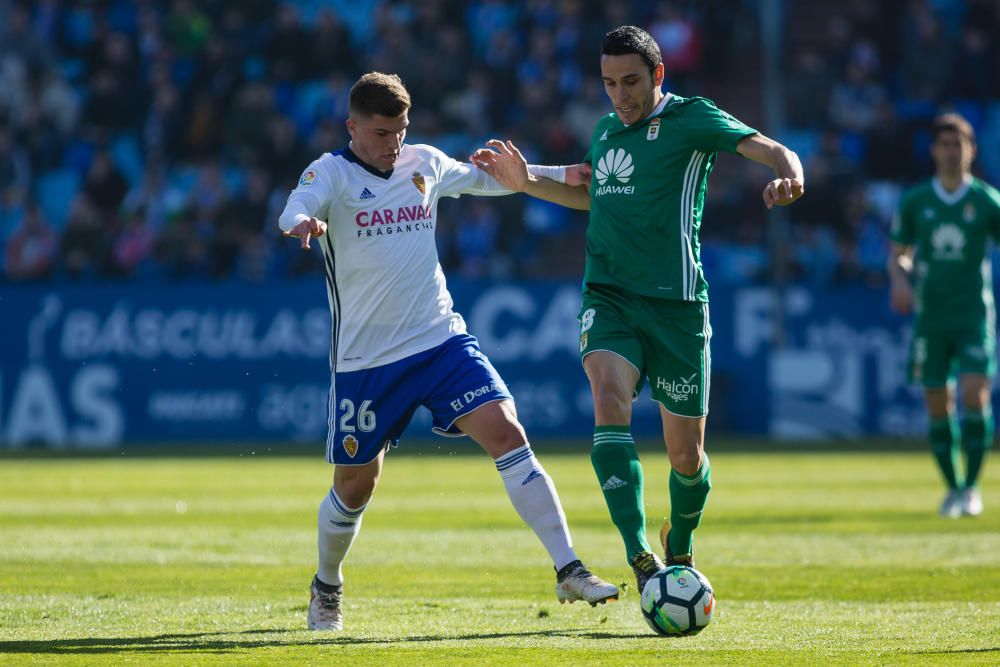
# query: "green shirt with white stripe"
647, 193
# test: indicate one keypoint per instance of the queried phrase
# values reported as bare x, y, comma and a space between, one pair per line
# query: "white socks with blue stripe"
534, 497
338, 525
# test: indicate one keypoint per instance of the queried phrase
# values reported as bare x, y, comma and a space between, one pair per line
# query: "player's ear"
658, 74
352, 126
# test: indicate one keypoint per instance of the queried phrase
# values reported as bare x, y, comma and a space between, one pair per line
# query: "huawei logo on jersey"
418, 182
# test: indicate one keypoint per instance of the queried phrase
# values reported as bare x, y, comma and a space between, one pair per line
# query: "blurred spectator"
105, 187
84, 249
134, 243
679, 40
31, 249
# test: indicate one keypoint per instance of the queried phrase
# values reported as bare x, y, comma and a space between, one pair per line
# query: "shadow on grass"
992, 649
212, 641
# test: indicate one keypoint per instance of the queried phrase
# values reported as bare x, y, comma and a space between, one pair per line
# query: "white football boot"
972, 502
951, 506
575, 582
324, 607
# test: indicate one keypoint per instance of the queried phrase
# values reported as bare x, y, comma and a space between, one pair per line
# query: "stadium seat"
53, 191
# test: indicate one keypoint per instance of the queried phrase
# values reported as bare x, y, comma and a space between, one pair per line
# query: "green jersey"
647, 193
951, 232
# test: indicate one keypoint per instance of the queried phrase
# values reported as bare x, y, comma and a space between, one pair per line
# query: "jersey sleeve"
462, 178
903, 228
316, 188
711, 129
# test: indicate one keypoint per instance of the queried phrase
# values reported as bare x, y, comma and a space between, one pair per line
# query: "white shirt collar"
659, 107
951, 197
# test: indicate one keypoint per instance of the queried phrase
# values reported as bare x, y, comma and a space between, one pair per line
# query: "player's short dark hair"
378, 93
627, 39
953, 122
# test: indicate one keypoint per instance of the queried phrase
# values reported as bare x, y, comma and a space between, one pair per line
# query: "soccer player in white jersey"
397, 344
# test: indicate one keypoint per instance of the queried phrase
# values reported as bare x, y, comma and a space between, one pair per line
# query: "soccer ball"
678, 600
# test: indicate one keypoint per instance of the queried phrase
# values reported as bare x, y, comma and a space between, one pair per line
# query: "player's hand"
306, 230
901, 297
783, 191
578, 174
504, 163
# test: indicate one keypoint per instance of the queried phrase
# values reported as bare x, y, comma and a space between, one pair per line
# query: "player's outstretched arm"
504, 162
900, 267
298, 221
790, 183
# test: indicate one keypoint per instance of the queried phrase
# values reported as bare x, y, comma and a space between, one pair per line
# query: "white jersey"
387, 292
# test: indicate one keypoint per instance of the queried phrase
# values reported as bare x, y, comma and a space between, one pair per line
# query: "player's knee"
355, 489
687, 460
611, 405
507, 438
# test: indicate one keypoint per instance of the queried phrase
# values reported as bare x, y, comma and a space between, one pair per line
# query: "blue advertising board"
91, 367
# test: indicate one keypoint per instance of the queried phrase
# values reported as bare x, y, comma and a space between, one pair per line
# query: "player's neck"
952, 182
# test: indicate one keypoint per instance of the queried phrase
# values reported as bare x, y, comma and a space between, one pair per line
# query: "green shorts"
937, 356
666, 340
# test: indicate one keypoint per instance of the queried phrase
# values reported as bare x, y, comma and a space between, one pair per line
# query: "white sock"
534, 497
338, 525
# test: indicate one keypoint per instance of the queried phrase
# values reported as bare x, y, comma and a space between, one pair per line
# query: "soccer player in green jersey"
645, 299
941, 238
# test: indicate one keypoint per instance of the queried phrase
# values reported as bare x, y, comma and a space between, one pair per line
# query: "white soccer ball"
678, 600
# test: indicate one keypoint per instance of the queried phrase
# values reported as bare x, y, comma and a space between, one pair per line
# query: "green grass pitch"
825, 558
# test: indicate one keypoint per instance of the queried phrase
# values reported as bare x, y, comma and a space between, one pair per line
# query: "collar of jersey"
954, 197
350, 156
657, 111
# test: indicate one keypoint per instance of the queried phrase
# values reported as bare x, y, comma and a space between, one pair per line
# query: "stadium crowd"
156, 139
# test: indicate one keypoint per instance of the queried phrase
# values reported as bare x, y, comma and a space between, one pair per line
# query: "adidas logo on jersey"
367, 194
613, 483
604, 136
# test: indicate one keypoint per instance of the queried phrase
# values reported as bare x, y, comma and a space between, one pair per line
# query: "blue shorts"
370, 408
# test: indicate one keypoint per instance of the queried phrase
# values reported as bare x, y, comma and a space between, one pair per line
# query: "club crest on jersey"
969, 212
308, 177
350, 445
583, 341
418, 182
654, 129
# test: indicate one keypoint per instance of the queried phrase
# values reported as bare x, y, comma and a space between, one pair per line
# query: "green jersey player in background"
941, 237
645, 300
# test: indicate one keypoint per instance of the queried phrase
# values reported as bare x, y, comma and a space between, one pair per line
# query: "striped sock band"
511, 459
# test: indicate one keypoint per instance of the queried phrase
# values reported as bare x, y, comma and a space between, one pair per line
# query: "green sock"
977, 438
620, 475
943, 443
688, 497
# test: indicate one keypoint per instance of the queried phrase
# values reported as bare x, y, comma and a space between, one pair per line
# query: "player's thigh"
679, 360
460, 381
370, 409
606, 317
613, 381
932, 358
